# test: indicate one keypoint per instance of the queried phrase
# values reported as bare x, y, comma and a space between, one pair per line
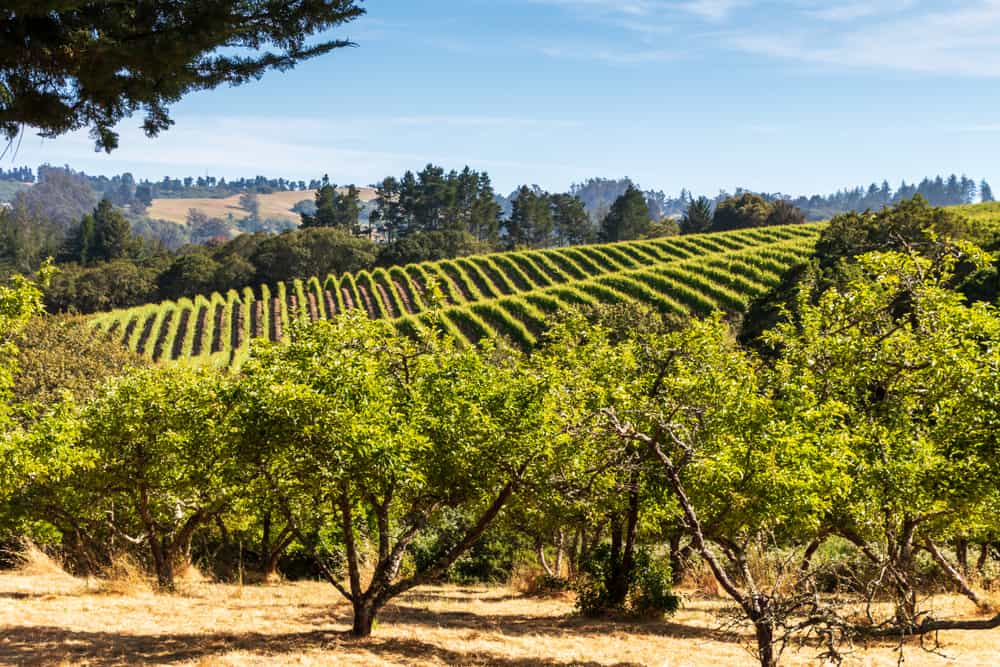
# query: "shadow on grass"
519, 625
49, 645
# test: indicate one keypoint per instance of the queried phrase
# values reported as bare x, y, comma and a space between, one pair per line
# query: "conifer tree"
697, 217
80, 64
628, 218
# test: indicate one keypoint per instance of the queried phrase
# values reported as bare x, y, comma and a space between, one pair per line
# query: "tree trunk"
163, 562
955, 575
559, 553
364, 618
540, 550
962, 555
764, 633
678, 558
573, 563
984, 556
811, 551
617, 585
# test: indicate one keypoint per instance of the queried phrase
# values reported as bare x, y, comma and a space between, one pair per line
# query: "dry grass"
48, 620
31, 561
277, 206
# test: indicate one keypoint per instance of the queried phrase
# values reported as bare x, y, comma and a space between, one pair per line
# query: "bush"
650, 591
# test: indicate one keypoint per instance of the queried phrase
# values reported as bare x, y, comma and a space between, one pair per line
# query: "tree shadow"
47, 645
517, 625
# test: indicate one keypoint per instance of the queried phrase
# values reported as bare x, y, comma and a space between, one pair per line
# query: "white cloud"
293, 147
712, 10
962, 41
852, 11
606, 54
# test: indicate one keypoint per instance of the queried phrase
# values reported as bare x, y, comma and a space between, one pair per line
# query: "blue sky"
797, 96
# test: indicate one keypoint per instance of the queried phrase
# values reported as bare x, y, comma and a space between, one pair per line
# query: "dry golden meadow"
277, 206
50, 618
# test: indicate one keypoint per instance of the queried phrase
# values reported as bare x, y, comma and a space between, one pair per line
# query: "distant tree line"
18, 174
113, 256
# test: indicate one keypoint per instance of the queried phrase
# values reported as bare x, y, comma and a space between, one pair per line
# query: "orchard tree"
20, 301
370, 439
164, 462
611, 489
92, 63
60, 354
913, 373
745, 467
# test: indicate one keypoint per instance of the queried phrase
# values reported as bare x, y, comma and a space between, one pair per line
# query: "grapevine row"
507, 293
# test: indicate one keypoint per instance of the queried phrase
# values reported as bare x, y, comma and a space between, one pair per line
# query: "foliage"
432, 201
429, 247
334, 208
161, 439
119, 284
311, 251
697, 217
740, 212
671, 275
649, 586
530, 223
901, 383
103, 236
628, 218
784, 212
912, 225
94, 63
57, 355
351, 420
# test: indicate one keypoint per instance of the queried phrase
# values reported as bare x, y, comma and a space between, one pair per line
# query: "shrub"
649, 587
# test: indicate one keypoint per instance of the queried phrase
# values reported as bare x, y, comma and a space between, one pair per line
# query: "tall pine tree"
628, 218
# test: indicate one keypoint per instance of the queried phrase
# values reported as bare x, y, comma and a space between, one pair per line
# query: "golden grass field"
277, 205
52, 619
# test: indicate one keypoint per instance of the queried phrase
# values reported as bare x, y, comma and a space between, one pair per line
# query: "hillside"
504, 293
277, 206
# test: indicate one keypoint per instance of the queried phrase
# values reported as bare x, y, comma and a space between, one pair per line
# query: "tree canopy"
90, 63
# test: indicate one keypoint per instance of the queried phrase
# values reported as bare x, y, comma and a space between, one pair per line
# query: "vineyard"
506, 294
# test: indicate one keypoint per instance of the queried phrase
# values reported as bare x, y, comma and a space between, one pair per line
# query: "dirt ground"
58, 620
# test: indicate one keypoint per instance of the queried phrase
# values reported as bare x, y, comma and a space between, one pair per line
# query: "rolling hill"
277, 206
501, 293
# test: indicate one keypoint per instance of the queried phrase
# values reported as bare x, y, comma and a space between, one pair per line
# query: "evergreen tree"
112, 233
572, 224
985, 191
80, 246
530, 223
628, 218
347, 210
250, 204
326, 206
80, 64
698, 216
